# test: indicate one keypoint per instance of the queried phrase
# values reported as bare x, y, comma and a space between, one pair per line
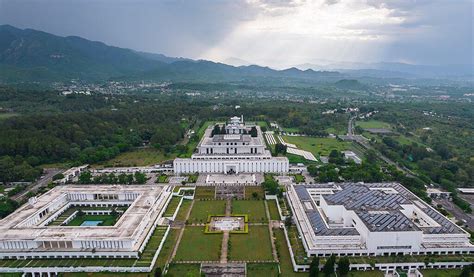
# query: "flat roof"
138, 213
378, 205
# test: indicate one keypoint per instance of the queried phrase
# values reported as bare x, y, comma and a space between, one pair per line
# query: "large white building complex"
371, 219
233, 150
40, 229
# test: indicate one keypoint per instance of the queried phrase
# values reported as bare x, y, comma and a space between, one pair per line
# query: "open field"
318, 146
250, 190
188, 270
202, 209
137, 157
273, 209
204, 192
7, 115
183, 209
172, 206
197, 246
264, 269
290, 129
373, 124
243, 246
255, 209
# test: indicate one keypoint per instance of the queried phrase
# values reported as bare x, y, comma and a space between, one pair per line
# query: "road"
362, 141
456, 212
48, 177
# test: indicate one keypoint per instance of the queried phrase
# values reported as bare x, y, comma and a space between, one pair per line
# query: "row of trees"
343, 267
123, 178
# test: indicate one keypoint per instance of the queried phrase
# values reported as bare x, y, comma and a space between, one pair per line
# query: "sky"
275, 33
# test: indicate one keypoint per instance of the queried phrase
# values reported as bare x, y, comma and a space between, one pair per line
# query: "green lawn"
183, 209
162, 178
273, 209
441, 272
7, 115
369, 273
172, 206
107, 220
255, 209
290, 129
299, 178
318, 146
253, 246
262, 269
205, 192
188, 270
373, 124
137, 157
197, 246
250, 190
284, 254
297, 245
202, 209
167, 248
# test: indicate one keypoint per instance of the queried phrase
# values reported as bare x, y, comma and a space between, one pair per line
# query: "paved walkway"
225, 237
180, 234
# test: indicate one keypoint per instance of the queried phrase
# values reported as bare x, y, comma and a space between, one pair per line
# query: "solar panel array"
364, 201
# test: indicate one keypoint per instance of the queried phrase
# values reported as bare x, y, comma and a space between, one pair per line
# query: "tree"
253, 131
288, 221
328, 268
343, 266
466, 271
314, 267
158, 272
254, 195
140, 178
85, 178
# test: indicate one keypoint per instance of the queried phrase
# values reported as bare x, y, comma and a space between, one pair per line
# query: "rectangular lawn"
318, 146
202, 209
264, 269
197, 246
250, 191
255, 209
205, 192
273, 209
254, 246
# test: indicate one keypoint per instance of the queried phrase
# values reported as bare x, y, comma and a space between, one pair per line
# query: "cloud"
272, 32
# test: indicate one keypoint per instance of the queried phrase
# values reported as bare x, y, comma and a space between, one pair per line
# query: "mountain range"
28, 55
31, 55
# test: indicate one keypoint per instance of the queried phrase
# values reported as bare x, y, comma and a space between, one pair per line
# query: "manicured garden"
262, 269
202, 209
255, 209
254, 192
243, 247
183, 209
188, 270
172, 206
105, 220
197, 246
205, 192
273, 209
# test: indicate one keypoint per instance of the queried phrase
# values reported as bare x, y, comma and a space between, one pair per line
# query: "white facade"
371, 219
26, 233
236, 151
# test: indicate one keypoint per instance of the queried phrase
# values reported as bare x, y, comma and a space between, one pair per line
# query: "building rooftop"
381, 206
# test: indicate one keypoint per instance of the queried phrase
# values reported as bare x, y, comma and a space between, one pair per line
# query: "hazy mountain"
394, 70
30, 55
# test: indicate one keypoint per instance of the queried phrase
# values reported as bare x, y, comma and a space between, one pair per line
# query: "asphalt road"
48, 177
456, 211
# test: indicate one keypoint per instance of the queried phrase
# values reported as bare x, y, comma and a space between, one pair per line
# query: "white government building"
236, 151
358, 219
39, 228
